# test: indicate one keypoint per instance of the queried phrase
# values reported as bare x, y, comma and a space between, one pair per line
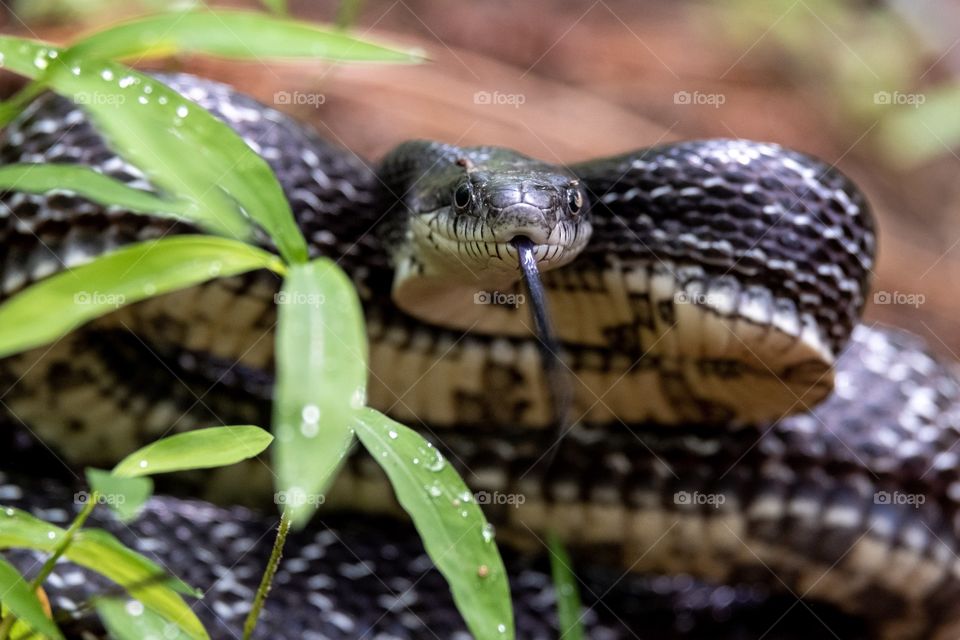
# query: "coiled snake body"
733, 423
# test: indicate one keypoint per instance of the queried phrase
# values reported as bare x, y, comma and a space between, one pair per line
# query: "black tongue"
557, 374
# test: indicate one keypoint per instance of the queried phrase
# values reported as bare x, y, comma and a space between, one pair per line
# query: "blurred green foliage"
873, 63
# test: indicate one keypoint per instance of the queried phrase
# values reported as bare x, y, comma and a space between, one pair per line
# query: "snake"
737, 430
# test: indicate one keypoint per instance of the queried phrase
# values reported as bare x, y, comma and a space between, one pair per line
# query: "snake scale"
737, 431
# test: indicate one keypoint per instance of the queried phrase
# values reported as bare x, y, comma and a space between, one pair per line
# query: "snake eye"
463, 195
574, 200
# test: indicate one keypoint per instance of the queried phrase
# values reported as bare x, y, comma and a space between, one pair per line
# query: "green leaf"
199, 449
125, 496
184, 150
451, 524
101, 552
130, 620
57, 305
321, 380
21, 601
231, 34
92, 185
569, 611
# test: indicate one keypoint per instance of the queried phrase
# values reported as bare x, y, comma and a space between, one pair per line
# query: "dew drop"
142, 100
464, 513
134, 608
10, 512
162, 99
488, 533
434, 490
127, 81
416, 461
437, 463
310, 414
309, 429
107, 75
52, 535
143, 464
502, 628
466, 496
393, 434
148, 89
182, 111
40, 62
149, 288
215, 268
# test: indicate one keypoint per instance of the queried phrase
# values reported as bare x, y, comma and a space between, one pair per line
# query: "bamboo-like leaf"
55, 306
321, 380
184, 150
92, 185
125, 496
452, 526
231, 34
569, 610
130, 620
199, 449
22, 602
101, 552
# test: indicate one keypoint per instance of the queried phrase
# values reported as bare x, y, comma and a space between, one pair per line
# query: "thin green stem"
265, 583
61, 548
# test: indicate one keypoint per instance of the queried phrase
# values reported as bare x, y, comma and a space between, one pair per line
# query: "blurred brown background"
871, 86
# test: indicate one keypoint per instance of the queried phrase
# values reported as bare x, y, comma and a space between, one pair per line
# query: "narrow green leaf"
569, 610
55, 306
321, 380
184, 150
21, 601
97, 187
130, 620
452, 526
125, 496
199, 449
231, 34
101, 552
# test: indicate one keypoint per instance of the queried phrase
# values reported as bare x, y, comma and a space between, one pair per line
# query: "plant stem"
7, 624
61, 548
251, 622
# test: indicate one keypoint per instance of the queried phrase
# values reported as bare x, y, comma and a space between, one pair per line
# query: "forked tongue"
557, 375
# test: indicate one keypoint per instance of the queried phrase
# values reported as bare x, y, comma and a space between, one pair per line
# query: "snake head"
457, 213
